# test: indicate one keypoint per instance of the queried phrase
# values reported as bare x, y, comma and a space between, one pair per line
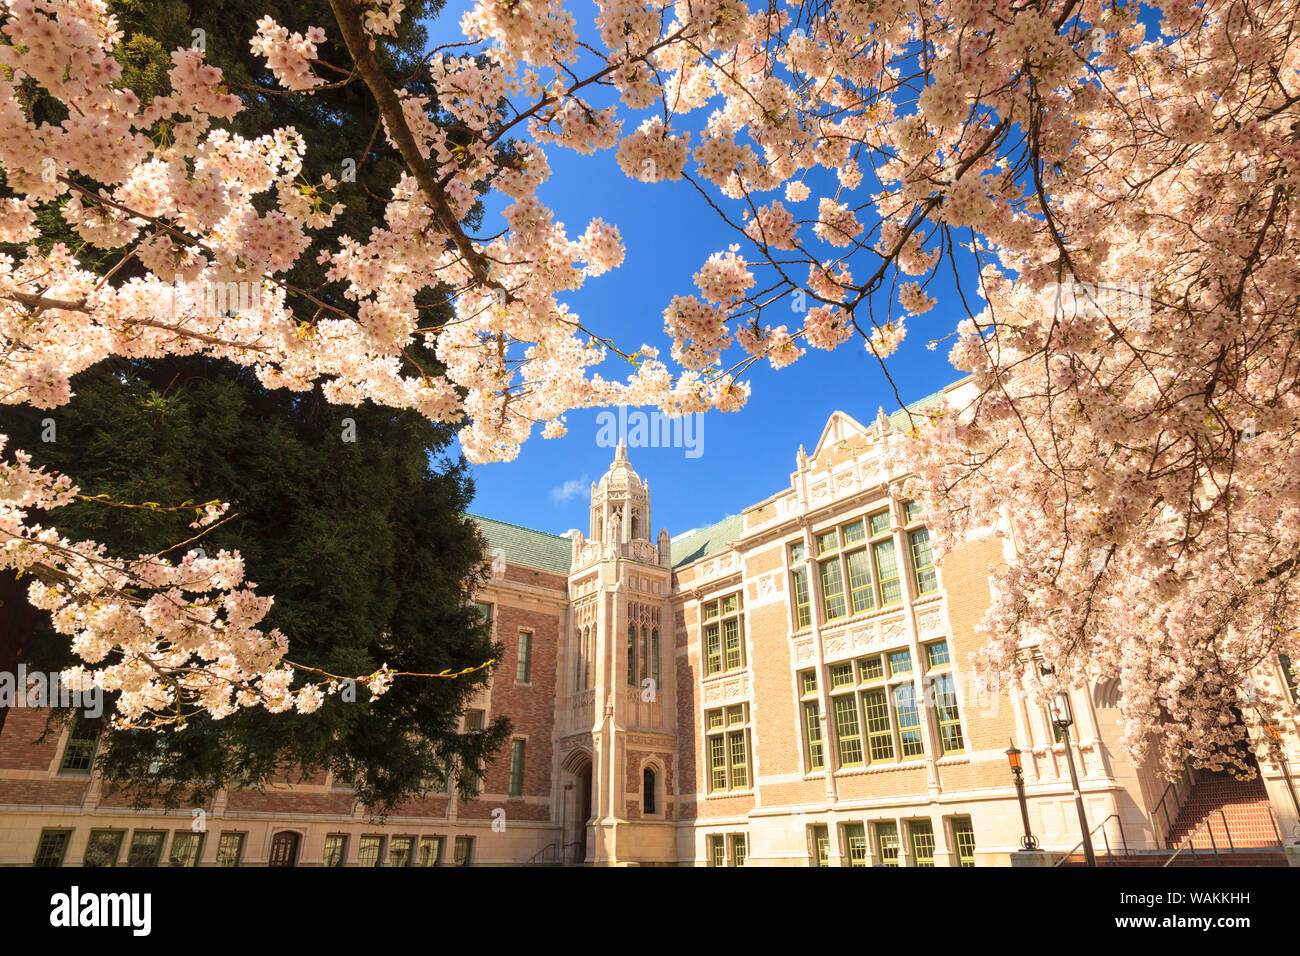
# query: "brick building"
790, 686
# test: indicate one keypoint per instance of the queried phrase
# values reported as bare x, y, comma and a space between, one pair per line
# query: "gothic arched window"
654, 657
648, 788
631, 655
645, 653
586, 657
636, 525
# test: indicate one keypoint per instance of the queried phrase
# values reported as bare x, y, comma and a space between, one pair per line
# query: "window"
910, 742
186, 846
911, 511
738, 849
855, 838
336, 849
724, 646
821, 845
853, 533
739, 762
344, 779
936, 654
833, 605
645, 655
808, 683
727, 743
648, 791
230, 849
654, 657
463, 851
847, 732
79, 752
52, 847
964, 837
474, 723
484, 612
524, 669
813, 731
712, 650
845, 577
861, 597
146, 848
886, 561
871, 669
923, 572
517, 768
430, 851
888, 726
586, 637
716, 849
879, 523
943, 692
887, 843
1289, 676
880, 738
438, 777
733, 655
799, 588
104, 847
400, 850
631, 655
922, 833
370, 850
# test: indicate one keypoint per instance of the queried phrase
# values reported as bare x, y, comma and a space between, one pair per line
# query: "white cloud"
570, 489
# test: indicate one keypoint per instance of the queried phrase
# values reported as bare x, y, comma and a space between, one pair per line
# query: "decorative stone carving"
930, 623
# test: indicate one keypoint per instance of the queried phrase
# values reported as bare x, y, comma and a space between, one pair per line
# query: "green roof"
706, 541
526, 547
920, 408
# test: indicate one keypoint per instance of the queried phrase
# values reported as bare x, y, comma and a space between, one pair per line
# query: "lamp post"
1062, 718
1028, 841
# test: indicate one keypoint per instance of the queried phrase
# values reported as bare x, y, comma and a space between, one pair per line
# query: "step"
1184, 859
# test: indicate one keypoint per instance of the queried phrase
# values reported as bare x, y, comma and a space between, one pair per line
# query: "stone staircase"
1222, 822
1235, 812
1261, 856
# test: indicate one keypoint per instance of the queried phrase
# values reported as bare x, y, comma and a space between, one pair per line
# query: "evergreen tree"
362, 542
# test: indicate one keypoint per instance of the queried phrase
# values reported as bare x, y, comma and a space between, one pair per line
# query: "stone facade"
791, 686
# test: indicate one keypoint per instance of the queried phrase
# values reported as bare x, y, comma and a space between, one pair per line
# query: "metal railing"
1110, 856
1174, 787
555, 854
548, 855
1190, 838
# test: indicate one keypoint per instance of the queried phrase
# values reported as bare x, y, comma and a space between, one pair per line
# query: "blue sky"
668, 233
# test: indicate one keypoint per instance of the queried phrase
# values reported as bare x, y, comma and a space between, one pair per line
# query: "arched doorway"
284, 849
578, 789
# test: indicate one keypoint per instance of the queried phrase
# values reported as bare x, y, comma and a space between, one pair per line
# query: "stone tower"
615, 729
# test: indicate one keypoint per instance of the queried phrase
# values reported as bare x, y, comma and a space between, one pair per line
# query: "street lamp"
1062, 718
1028, 841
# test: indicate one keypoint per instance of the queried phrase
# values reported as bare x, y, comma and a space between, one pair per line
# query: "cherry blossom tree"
1130, 329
